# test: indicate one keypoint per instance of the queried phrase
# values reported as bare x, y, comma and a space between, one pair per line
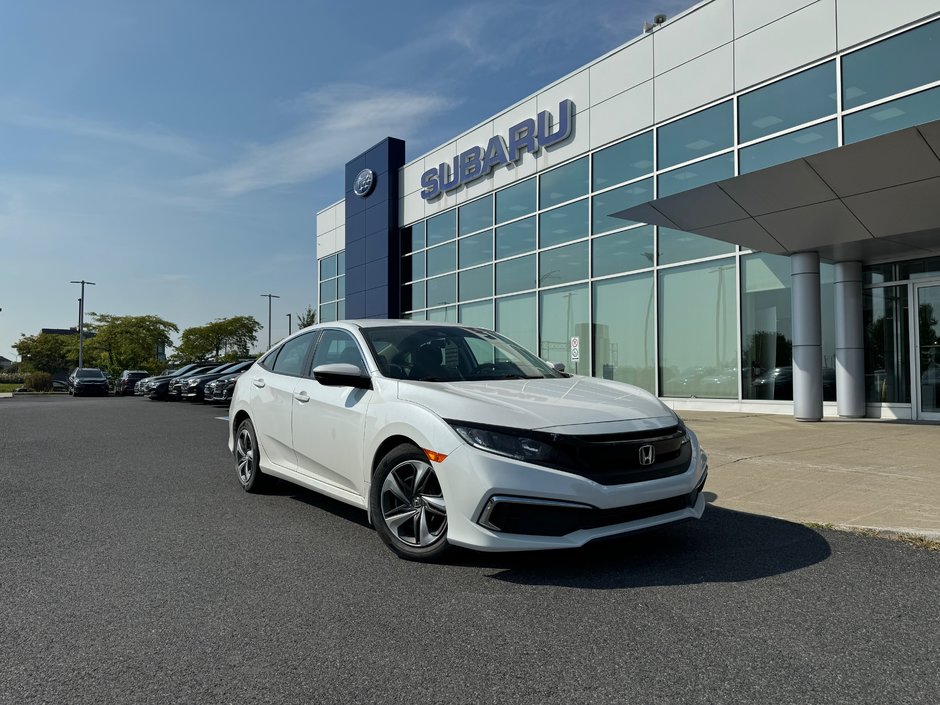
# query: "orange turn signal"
434, 457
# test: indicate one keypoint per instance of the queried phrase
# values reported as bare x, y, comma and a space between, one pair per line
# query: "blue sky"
176, 152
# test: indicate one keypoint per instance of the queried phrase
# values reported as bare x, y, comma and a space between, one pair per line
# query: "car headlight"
193, 383
531, 447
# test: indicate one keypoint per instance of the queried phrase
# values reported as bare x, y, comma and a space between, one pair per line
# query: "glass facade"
332, 287
546, 259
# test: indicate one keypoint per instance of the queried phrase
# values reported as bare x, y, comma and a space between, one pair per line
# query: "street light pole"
289, 321
81, 322
269, 297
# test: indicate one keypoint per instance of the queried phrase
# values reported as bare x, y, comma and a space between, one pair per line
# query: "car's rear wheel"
248, 459
407, 505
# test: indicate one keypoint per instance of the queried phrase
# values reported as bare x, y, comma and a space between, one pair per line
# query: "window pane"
476, 283
412, 296
887, 345
327, 313
479, 314
623, 251
563, 224
515, 238
447, 314
407, 269
698, 174
767, 362
827, 301
515, 275
293, 353
328, 267
442, 228
698, 336
476, 215
515, 201
442, 290
515, 318
623, 330
677, 246
340, 310
773, 108
895, 115
621, 162
442, 259
412, 237
341, 262
696, 135
891, 66
337, 346
564, 314
616, 200
328, 290
476, 249
563, 184
801, 143
563, 264
341, 287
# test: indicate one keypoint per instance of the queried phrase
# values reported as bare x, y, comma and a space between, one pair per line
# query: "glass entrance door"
927, 357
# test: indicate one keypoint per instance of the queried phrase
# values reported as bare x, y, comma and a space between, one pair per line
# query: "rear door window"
290, 360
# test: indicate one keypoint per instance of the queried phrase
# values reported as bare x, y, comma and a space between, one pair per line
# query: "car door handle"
302, 397
258, 382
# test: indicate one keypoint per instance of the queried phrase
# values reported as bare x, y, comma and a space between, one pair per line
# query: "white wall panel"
864, 19
623, 114
439, 204
772, 50
504, 175
340, 213
577, 88
411, 177
412, 208
476, 138
439, 156
695, 83
327, 245
339, 237
629, 67
753, 14
695, 34
326, 220
475, 189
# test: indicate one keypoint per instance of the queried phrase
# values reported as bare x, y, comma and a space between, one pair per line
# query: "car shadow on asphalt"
725, 546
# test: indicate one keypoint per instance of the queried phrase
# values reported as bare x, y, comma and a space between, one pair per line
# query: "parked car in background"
156, 387
194, 387
128, 380
450, 435
178, 384
87, 380
220, 391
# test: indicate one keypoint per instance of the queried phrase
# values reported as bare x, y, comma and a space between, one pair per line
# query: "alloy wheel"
244, 455
413, 505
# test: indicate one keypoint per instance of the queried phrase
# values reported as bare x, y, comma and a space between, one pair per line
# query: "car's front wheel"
248, 459
407, 505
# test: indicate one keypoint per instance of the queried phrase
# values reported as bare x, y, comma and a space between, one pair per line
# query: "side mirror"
342, 374
557, 366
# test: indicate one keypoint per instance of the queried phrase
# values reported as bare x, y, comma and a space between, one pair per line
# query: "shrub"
39, 381
11, 378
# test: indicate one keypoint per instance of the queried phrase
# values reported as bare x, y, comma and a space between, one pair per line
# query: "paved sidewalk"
865, 473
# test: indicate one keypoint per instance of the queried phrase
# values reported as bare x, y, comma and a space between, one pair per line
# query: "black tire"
411, 518
248, 459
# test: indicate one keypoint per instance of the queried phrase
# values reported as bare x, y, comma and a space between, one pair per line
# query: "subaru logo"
364, 182
647, 454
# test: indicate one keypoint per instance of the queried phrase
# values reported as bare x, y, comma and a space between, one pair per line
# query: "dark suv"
87, 380
125, 383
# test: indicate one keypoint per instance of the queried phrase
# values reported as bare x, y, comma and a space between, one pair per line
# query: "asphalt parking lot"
133, 569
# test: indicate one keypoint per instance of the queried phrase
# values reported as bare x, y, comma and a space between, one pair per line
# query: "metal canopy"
871, 201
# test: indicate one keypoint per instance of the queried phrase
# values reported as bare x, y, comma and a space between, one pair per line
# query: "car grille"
615, 459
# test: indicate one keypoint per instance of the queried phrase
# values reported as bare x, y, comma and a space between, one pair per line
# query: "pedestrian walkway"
864, 473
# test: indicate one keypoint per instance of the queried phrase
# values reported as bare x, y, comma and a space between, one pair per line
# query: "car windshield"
90, 374
452, 354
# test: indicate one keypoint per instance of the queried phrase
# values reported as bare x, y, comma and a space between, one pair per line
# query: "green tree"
128, 342
307, 318
222, 338
46, 352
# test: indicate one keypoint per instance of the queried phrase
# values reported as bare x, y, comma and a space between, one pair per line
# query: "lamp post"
289, 321
269, 297
81, 322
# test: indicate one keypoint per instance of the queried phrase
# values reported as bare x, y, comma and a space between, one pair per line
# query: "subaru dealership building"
739, 210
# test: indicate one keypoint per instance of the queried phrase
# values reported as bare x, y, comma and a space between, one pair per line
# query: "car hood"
575, 404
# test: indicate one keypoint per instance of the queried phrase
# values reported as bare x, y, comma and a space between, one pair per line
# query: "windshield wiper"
435, 379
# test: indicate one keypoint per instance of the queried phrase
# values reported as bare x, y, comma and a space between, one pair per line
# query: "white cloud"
342, 121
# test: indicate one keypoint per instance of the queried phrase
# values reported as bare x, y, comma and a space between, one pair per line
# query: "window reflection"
515, 201
476, 249
678, 246
616, 200
515, 238
767, 346
515, 274
891, 116
564, 314
707, 131
627, 160
623, 251
563, 264
563, 184
476, 215
563, 224
623, 330
515, 318
442, 227
479, 314
698, 333
887, 345
785, 148
698, 174
476, 283
791, 101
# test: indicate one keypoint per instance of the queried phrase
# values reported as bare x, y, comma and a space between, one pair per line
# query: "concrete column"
807, 337
850, 343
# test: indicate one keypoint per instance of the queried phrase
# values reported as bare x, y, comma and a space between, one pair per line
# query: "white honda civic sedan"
450, 435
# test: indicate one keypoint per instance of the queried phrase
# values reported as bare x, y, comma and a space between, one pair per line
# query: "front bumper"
500, 504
